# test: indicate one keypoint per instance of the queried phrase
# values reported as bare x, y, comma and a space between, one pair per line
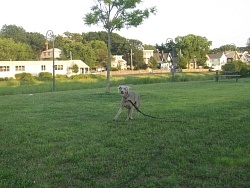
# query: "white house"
245, 57
119, 62
10, 68
146, 55
163, 59
216, 61
48, 53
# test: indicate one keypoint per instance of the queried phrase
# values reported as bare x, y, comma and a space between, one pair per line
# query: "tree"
150, 47
192, 47
137, 54
161, 48
120, 46
18, 34
75, 68
80, 51
101, 50
15, 51
76, 37
153, 62
115, 15
248, 45
227, 47
36, 41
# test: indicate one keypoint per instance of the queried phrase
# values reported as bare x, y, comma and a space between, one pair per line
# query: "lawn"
68, 139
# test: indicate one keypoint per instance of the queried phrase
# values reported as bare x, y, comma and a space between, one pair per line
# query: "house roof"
80, 63
215, 56
161, 57
230, 54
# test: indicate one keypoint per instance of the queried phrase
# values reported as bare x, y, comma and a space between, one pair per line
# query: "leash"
150, 115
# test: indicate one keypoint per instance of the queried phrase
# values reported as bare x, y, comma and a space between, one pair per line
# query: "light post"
169, 42
50, 36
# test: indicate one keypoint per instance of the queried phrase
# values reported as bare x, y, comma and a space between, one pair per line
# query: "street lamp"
169, 42
50, 36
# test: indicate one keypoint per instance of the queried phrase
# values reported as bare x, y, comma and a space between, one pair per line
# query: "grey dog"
126, 98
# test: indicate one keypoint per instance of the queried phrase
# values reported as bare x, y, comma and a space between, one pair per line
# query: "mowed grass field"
68, 138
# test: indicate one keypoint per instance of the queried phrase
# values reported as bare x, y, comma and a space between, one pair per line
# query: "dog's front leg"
118, 113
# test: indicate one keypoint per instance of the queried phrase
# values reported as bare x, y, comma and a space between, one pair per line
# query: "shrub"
25, 77
45, 76
62, 76
114, 69
243, 68
245, 71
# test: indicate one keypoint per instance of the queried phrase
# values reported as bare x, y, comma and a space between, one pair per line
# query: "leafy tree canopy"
150, 47
115, 15
190, 47
227, 47
18, 34
15, 51
153, 62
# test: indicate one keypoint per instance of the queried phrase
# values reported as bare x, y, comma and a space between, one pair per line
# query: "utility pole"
131, 59
50, 36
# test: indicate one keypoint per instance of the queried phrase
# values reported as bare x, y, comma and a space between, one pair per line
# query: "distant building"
10, 68
216, 61
245, 57
163, 59
119, 62
146, 55
232, 56
48, 53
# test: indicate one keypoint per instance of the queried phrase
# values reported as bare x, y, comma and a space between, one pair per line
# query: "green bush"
25, 77
61, 76
114, 69
240, 66
245, 71
45, 76
6, 79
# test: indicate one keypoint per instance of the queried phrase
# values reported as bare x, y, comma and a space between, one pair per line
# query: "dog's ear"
127, 88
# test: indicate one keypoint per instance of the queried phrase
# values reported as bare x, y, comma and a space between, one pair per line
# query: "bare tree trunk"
109, 63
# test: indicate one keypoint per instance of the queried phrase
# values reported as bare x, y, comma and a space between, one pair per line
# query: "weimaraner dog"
126, 98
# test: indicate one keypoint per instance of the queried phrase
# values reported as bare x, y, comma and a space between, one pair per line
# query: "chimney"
46, 46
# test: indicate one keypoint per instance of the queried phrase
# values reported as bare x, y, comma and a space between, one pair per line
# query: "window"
4, 68
58, 67
20, 68
43, 67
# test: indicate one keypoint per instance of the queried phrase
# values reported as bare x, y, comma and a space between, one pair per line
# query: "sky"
220, 21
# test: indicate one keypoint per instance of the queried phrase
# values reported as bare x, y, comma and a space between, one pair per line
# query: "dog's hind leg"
137, 112
130, 112
137, 108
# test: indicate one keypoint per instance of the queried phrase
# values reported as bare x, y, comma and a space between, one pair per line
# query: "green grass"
68, 139
13, 87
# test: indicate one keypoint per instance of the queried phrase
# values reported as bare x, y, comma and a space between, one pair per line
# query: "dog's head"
123, 90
